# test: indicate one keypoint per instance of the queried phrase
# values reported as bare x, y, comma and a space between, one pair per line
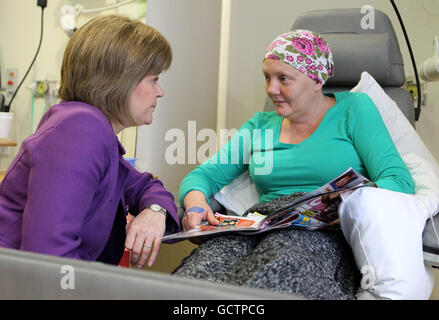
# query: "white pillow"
239, 195
384, 228
410, 146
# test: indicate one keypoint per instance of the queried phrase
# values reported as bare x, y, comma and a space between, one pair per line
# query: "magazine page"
317, 209
227, 224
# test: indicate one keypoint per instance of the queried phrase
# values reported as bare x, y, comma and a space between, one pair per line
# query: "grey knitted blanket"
312, 264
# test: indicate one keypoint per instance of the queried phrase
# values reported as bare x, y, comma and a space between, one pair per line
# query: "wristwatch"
157, 208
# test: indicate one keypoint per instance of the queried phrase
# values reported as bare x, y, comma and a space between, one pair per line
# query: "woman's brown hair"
106, 58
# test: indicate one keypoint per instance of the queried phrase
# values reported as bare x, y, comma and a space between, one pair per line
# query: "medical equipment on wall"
428, 71
46, 89
68, 22
69, 12
430, 67
6, 107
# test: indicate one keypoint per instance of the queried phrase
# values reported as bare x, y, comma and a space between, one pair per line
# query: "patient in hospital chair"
309, 139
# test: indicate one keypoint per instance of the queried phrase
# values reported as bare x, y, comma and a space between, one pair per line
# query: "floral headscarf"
306, 51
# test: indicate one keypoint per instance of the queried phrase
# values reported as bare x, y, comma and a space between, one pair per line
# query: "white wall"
193, 28
254, 24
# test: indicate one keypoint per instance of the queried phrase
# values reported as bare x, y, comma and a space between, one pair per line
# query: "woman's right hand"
197, 210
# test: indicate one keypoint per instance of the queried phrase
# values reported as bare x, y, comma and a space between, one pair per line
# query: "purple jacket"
61, 192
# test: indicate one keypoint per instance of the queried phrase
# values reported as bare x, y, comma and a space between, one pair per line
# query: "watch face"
155, 207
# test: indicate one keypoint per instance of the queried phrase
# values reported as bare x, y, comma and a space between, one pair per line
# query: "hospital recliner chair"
355, 50
28, 275
375, 50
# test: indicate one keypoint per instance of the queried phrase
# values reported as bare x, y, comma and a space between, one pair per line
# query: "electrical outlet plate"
11, 79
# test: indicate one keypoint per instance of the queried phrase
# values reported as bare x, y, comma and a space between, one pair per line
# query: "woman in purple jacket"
68, 190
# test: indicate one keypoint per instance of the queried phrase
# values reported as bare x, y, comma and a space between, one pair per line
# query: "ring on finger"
147, 245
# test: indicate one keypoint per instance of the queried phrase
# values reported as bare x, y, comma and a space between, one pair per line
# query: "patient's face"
143, 100
288, 88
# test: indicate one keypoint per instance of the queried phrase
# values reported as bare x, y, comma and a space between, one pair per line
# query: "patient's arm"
197, 210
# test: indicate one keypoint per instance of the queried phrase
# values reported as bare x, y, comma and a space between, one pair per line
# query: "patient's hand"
197, 210
194, 217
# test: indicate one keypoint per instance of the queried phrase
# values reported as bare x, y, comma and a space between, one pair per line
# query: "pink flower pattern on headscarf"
321, 44
306, 51
303, 45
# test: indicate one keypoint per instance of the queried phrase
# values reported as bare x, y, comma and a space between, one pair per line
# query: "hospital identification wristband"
194, 209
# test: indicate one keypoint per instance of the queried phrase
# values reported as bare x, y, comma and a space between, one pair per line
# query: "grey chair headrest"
355, 49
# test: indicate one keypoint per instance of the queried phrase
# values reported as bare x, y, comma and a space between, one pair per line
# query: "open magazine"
315, 210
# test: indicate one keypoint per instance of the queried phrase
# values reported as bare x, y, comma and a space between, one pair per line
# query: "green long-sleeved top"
351, 134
